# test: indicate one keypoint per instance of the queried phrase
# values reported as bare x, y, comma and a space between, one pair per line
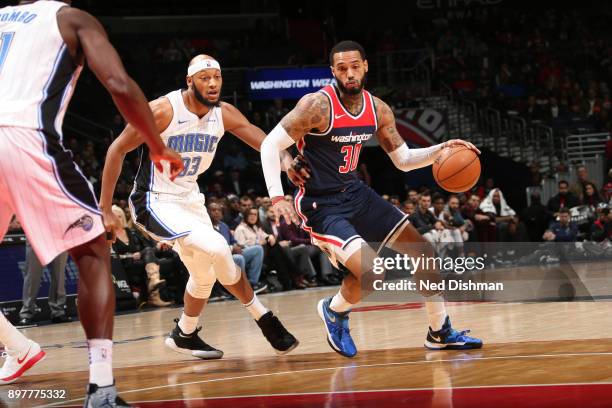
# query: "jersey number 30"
5, 44
351, 157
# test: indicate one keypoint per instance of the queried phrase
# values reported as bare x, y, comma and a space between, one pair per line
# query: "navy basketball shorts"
341, 223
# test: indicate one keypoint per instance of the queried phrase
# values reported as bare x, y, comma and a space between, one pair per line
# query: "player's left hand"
298, 172
284, 208
111, 225
459, 142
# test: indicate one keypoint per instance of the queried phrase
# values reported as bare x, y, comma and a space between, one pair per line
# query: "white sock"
255, 308
188, 324
100, 361
12, 338
340, 304
436, 311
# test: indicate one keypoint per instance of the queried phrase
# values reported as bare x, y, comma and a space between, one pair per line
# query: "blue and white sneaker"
448, 338
337, 327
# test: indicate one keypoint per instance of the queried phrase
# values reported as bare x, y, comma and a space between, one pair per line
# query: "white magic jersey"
195, 139
37, 74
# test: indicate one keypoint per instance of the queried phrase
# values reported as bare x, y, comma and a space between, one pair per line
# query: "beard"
203, 100
353, 91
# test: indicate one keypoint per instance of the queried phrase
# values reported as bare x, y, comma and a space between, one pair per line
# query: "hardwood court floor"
535, 355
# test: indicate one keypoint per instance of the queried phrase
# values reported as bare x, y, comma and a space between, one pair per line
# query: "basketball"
457, 169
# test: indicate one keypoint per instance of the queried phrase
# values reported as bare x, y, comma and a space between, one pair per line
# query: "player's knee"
229, 274
199, 288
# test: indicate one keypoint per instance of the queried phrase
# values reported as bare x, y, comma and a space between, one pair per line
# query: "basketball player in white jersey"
192, 121
43, 46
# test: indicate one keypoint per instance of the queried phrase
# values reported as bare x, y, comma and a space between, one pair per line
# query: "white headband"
202, 65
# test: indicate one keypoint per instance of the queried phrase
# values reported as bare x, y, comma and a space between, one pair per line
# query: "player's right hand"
112, 224
299, 172
284, 208
172, 157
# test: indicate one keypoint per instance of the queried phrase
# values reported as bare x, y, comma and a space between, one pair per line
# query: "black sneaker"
259, 287
279, 338
191, 344
98, 397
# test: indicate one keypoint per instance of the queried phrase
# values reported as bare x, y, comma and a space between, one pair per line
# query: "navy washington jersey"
333, 155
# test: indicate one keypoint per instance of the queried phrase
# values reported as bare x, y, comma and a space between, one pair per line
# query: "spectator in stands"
606, 190
250, 258
563, 199
232, 215
235, 185
280, 257
509, 228
563, 230
583, 177
602, 227
264, 204
485, 226
139, 261
590, 195
248, 234
429, 226
448, 221
413, 196
277, 111
309, 258
456, 220
536, 218
408, 207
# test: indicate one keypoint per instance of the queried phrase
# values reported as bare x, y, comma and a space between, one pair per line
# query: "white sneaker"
18, 363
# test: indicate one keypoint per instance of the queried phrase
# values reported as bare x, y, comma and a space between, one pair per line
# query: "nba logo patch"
314, 205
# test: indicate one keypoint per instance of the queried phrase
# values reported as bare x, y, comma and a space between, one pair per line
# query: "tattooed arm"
392, 142
310, 113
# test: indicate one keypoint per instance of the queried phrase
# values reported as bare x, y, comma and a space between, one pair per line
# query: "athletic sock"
436, 311
12, 338
339, 304
188, 324
100, 361
255, 308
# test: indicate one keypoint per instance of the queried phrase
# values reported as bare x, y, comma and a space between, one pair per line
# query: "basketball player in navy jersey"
341, 213
43, 47
193, 121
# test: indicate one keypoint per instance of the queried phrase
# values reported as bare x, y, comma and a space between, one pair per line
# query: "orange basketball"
457, 169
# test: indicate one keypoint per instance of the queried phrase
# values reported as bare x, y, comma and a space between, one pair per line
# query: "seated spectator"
590, 195
280, 257
232, 216
563, 230
249, 234
509, 228
563, 199
456, 220
429, 226
448, 221
583, 178
606, 190
249, 259
536, 218
408, 207
413, 196
601, 229
485, 228
139, 260
306, 255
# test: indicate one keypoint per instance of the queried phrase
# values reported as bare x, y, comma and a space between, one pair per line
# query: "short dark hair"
436, 197
563, 182
564, 211
344, 46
